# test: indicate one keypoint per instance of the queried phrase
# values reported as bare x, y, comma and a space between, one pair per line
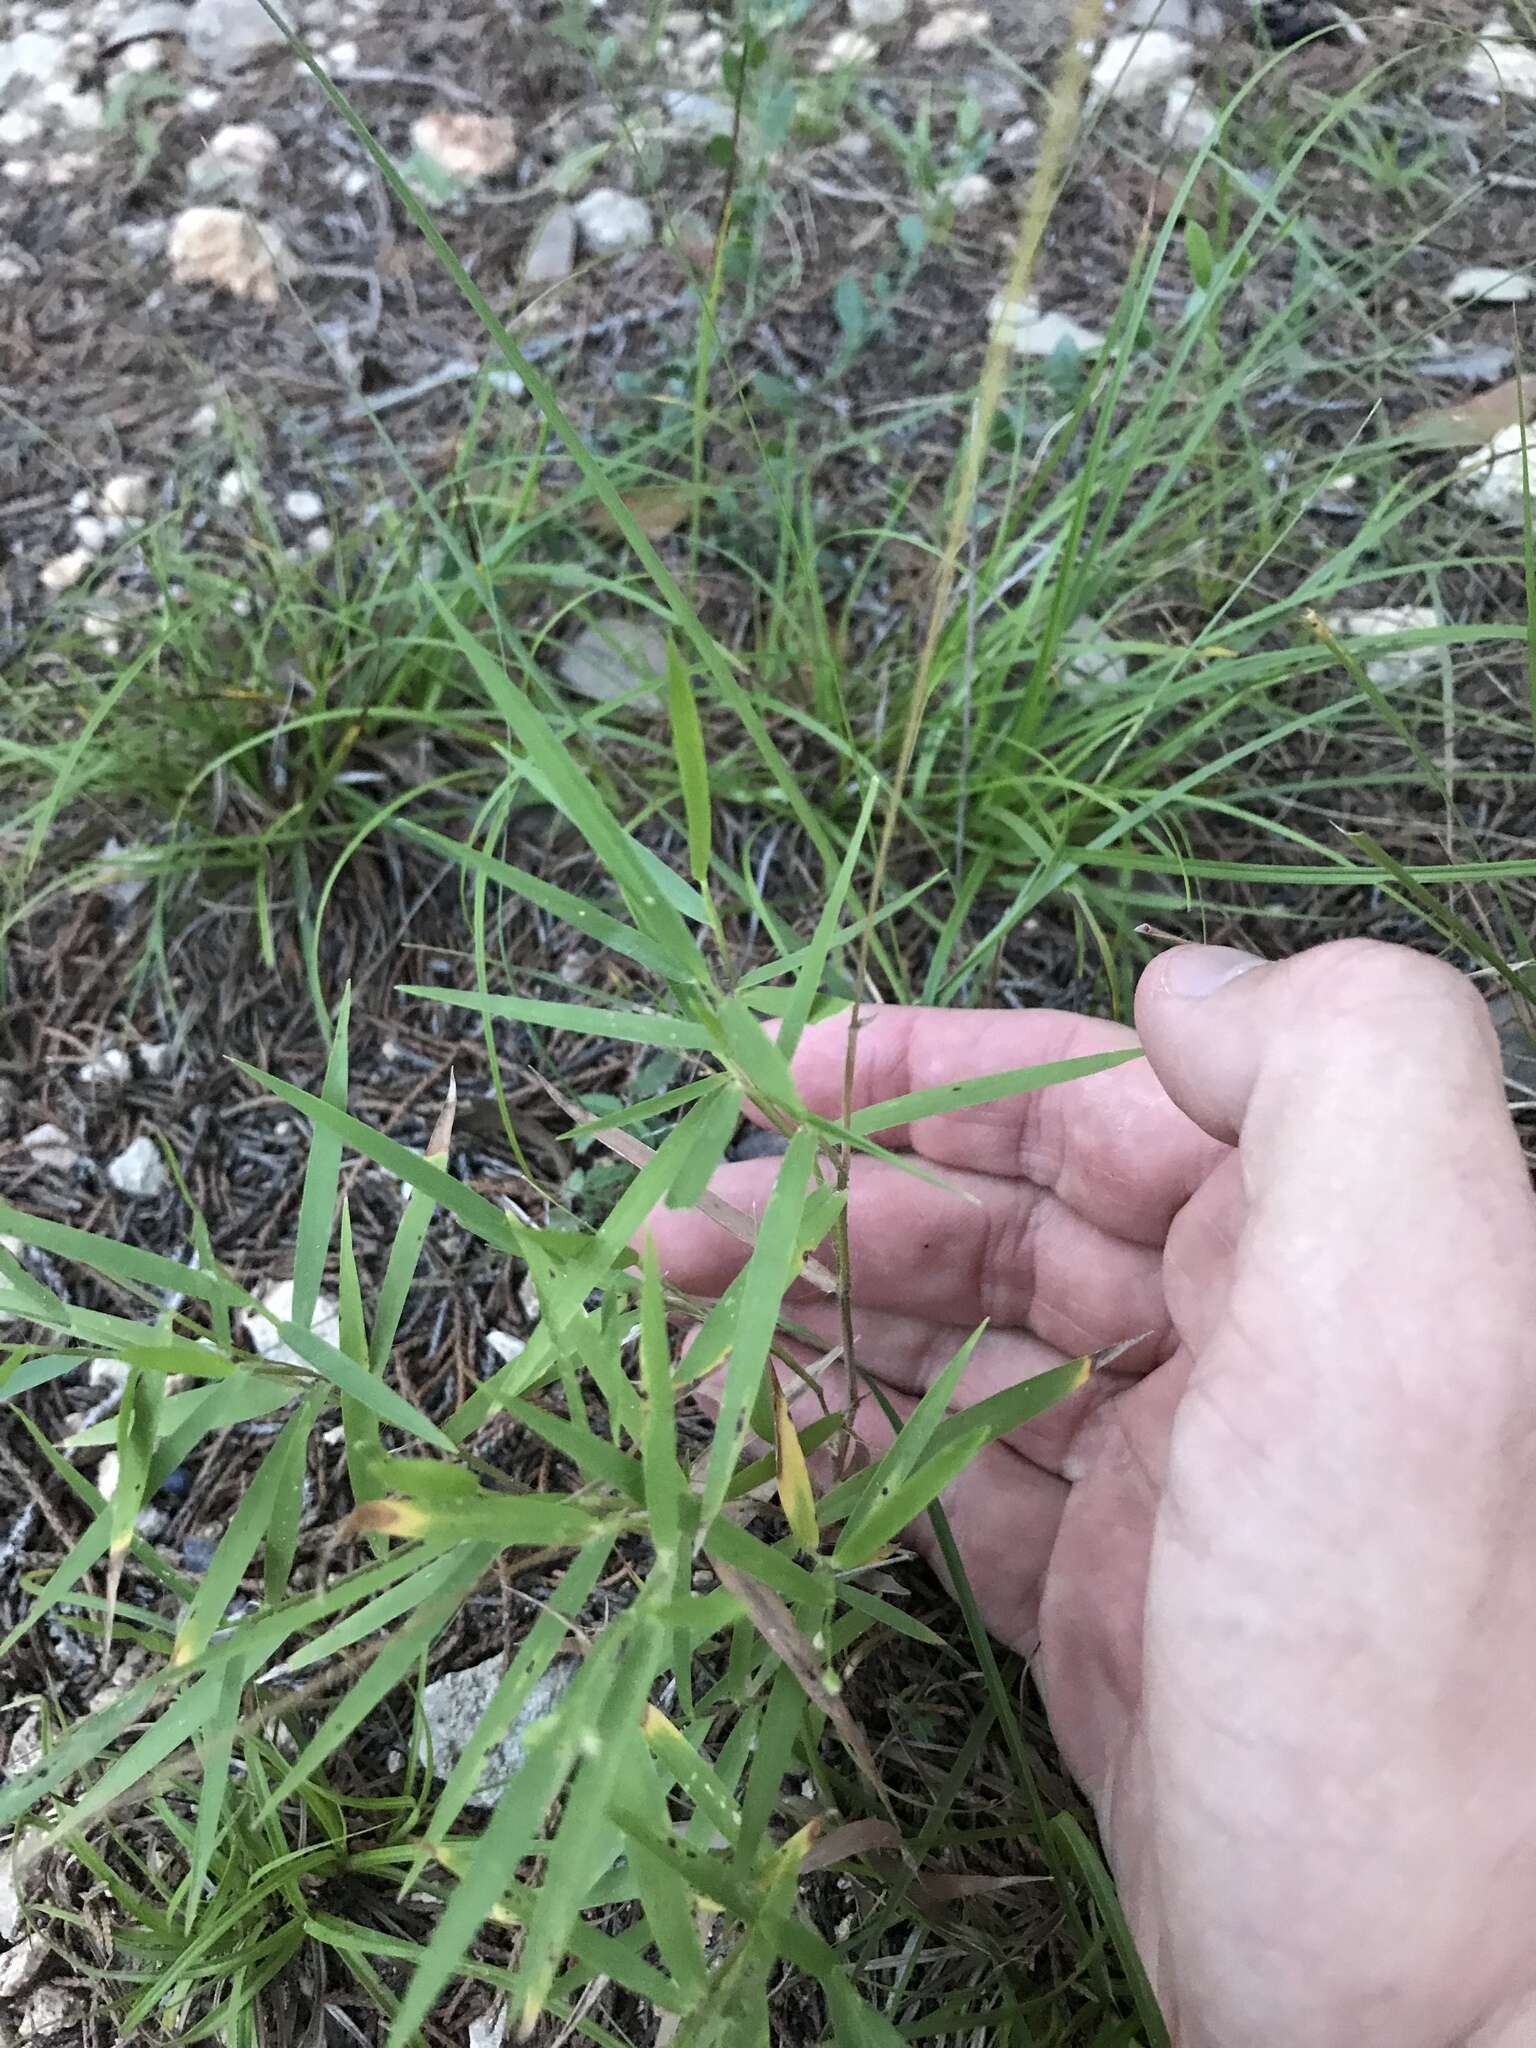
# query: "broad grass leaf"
986, 1088
322, 1178
768, 1272
632, 1027
692, 767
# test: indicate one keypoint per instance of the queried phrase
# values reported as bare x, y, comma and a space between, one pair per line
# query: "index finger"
1112, 1146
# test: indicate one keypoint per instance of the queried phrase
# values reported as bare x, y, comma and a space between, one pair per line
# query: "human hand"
1280, 1562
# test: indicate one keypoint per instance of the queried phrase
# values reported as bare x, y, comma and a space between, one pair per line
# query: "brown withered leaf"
1472, 421
854, 1838
780, 1631
657, 509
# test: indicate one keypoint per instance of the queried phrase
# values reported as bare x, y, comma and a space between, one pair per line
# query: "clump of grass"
1118, 674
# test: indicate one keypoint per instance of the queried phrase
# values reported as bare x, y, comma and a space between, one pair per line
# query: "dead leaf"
779, 1630
657, 509
1472, 421
854, 1838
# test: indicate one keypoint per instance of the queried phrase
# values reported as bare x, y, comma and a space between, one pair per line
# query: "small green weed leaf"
692, 767
766, 1275
281, 1471
923, 1102
322, 1177
714, 1129
633, 1027
1202, 259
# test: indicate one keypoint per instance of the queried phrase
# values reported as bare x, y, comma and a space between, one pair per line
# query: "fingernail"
1197, 971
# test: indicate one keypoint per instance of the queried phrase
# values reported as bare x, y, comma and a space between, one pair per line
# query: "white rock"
849, 46
79, 109
50, 2010
10, 1901
1090, 658
111, 1066
1492, 284
202, 99
121, 886
967, 193
503, 1346
148, 55
66, 166
466, 145
91, 533
20, 128
611, 221
1031, 332
1017, 134
35, 58
342, 57
304, 506
1492, 478
49, 1146
18, 1966
107, 1372
877, 13
951, 26
219, 246
64, 571
551, 251
277, 1300
1404, 664
233, 489
612, 658
1498, 63
318, 540
126, 496
235, 160
158, 1060
1189, 120
1199, 18
506, 381
697, 113
1134, 64
700, 60
490, 2030
153, 19
108, 1475
16, 170
139, 1170
223, 34
451, 1709
26, 1747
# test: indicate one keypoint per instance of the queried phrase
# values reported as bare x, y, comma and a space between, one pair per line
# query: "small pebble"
126, 497
304, 506
108, 1067
50, 1146
64, 571
139, 1170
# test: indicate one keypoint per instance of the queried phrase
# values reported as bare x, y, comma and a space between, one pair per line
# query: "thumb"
1363, 1086
1227, 1033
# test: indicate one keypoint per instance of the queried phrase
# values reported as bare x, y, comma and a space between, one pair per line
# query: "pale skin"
1277, 1568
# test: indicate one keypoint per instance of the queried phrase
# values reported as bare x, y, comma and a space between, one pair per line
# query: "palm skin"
1277, 1567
